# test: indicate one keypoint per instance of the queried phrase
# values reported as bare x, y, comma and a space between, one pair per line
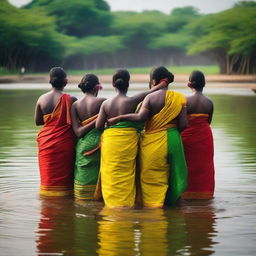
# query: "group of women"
129, 149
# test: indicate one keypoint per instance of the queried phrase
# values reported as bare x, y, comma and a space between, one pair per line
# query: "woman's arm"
210, 114
141, 116
140, 97
182, 121
39, 116
78, 129
102, 118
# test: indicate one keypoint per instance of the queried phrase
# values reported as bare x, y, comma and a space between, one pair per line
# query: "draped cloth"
161, 157
87, 163
56, 151
199, 152
119, 148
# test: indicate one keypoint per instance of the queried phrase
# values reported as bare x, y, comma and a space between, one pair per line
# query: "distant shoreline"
242, 81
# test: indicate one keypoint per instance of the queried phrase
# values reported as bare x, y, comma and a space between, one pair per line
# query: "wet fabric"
157, 168
199, 153
119, 150
87, 163
56, 151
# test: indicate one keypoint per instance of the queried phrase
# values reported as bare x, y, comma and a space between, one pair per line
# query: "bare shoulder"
76, 103
209, 100
73, 99
107, 102
43, 97
101, 100
155, 94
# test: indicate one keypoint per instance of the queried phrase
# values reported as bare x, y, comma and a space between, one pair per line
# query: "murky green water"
30, 225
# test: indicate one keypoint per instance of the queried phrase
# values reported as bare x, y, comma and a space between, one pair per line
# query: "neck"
57, 89
121, 93
90, 94
196, 91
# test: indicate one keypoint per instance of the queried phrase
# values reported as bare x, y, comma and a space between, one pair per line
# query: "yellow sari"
153, 154
119, 148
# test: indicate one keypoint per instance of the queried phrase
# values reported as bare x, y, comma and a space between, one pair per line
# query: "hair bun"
88, 82
119, 82
56, 81
121, 79
170, 77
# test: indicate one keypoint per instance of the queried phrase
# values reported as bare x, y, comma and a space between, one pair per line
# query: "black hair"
57, 77
88, 82
197, 79
159, 73
121, 79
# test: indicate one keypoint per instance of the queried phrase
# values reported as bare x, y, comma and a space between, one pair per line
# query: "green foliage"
185, 11
246, 4
233, 30
180, 17
85, 31
171, 41
77, 17
139, 29
92, 45
25, 34
229, 35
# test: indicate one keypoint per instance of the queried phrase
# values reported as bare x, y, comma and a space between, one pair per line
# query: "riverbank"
237, 81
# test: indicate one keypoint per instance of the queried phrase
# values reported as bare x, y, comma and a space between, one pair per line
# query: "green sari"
87, 165
178, 168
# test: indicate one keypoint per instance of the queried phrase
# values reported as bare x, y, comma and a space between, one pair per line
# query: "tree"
229, 36
91, 52
77, 17
26, 36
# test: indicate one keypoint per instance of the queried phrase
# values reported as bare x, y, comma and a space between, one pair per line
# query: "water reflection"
56, 228
133, 232
225, 226
200, 228
189, 230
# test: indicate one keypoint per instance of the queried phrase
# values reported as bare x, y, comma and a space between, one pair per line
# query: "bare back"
46, 104
119, 105
49, 100
88, 106
200, 104
156, 101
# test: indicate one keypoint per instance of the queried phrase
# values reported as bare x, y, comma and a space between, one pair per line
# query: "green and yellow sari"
87, 163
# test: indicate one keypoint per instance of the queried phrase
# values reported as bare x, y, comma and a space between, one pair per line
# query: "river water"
226, 225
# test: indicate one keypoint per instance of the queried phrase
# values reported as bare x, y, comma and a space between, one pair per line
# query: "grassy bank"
208, 70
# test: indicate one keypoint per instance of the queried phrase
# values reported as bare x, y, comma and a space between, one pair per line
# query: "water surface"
30, 225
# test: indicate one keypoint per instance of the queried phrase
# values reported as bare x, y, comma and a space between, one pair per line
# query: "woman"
161, 147
84, 113
120, 144
56, 140
198, 141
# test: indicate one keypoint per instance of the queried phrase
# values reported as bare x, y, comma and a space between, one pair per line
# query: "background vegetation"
85, 34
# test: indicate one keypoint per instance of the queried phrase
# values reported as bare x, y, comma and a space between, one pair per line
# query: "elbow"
99, 126
78, 134
38, 123
142, 119
182, 127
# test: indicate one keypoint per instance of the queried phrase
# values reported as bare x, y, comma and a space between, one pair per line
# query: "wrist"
165, 80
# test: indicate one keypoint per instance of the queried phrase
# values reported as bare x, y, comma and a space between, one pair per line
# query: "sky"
204, 6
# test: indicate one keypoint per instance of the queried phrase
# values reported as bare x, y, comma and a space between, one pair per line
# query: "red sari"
199, 151
56, 151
